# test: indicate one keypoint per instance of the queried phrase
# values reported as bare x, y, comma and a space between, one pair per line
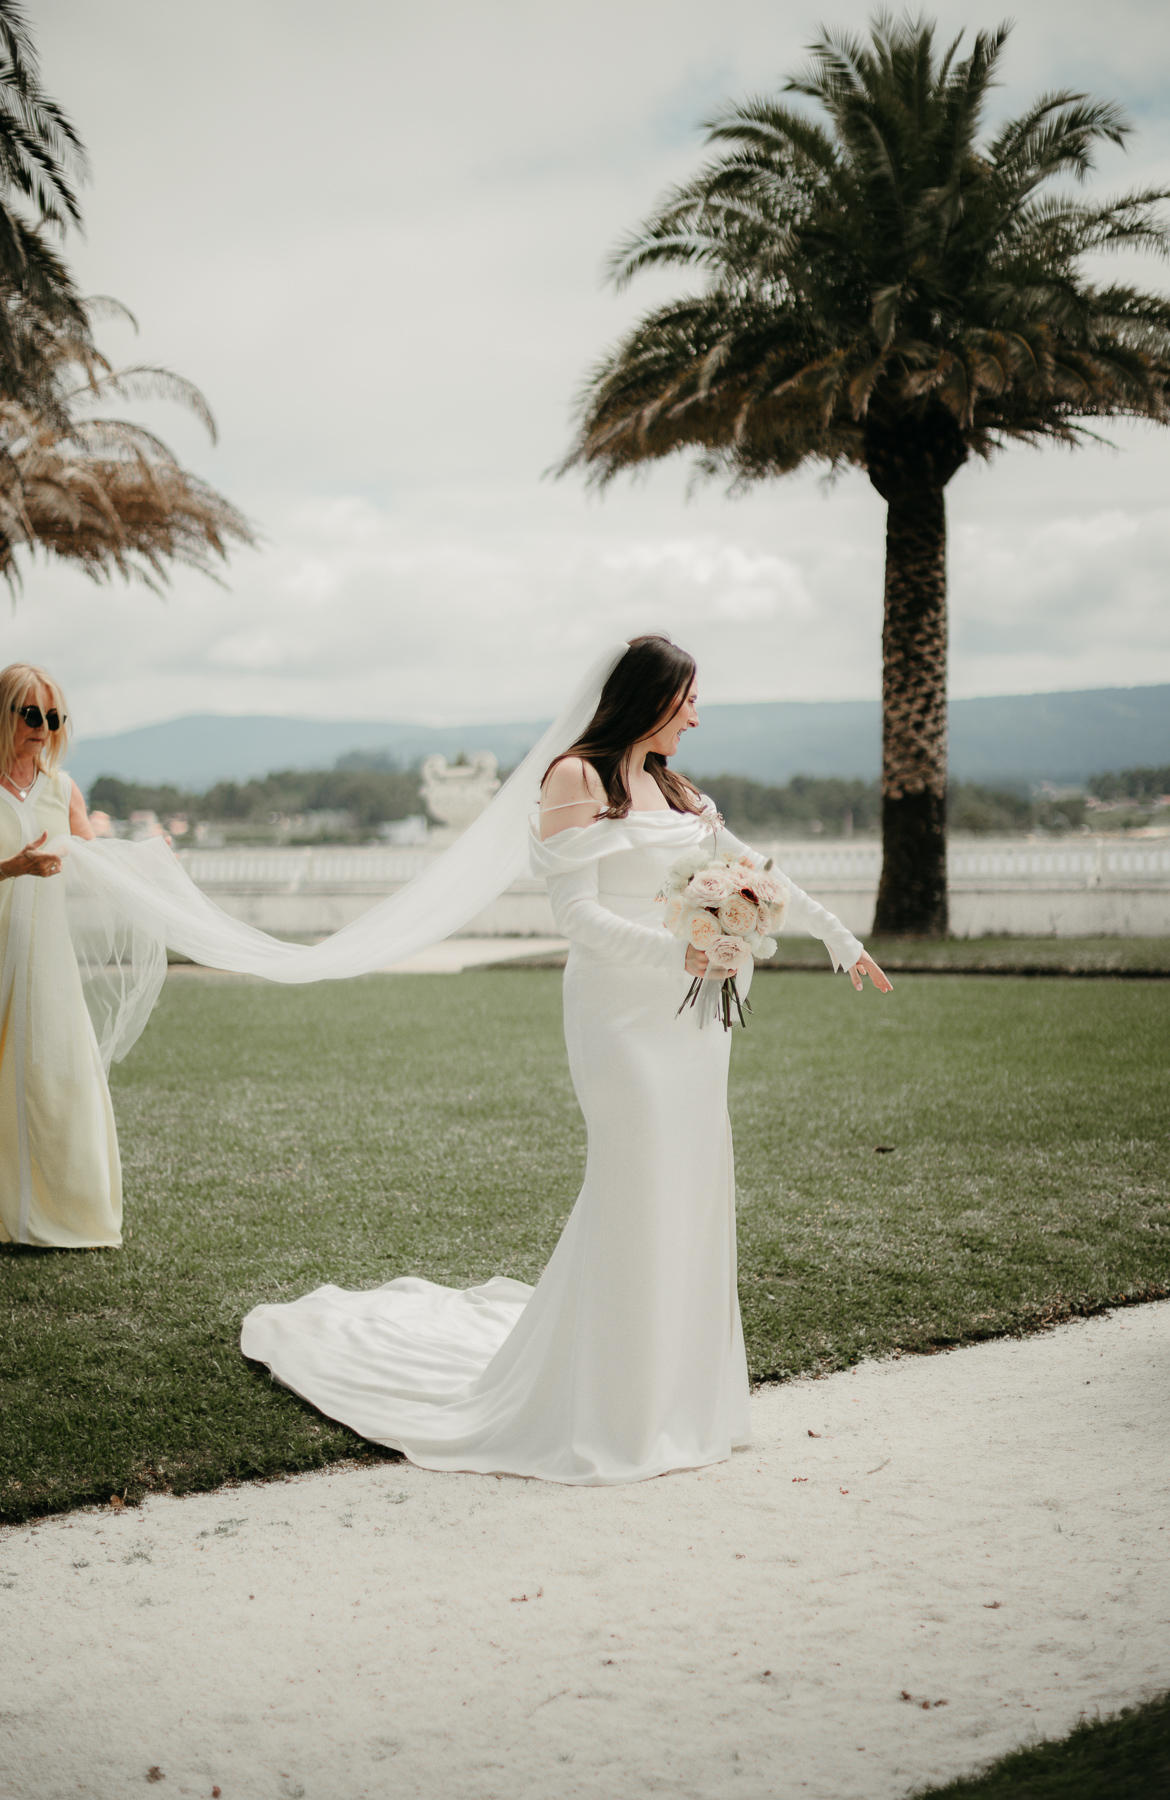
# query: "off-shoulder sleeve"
804, 912
581, 918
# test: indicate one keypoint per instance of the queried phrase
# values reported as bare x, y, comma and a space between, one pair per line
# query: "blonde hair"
15, 682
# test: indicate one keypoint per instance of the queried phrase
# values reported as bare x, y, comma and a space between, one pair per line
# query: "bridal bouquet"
722, 904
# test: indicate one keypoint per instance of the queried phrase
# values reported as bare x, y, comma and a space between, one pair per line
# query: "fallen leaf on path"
154, 1773
991, 1605
814, 1434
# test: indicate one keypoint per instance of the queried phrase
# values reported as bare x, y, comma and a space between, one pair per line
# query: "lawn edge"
364, 1454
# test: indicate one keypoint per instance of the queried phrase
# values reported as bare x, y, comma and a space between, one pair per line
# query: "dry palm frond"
104, 494
101, 493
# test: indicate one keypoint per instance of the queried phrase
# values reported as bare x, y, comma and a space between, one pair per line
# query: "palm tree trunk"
912, 896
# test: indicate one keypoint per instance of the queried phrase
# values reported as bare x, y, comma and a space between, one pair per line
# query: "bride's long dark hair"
643, 692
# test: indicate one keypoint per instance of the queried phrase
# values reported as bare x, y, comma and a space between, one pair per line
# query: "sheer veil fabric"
128, 903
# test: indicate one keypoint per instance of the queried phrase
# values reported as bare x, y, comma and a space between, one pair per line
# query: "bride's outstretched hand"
865, 965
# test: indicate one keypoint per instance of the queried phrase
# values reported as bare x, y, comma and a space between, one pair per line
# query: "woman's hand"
865, 965
699, 963
31, 861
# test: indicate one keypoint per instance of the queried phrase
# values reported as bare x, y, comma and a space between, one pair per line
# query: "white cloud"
377, 246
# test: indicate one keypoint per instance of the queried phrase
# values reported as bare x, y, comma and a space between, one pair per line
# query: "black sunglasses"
34, 718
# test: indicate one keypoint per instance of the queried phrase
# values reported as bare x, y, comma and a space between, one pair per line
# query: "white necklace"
22, 793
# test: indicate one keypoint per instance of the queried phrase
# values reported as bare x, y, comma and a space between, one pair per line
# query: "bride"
627, 1358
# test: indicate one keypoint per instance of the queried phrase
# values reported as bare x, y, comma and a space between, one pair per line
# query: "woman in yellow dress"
60, 1176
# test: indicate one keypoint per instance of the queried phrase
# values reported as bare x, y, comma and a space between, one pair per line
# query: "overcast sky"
374, 234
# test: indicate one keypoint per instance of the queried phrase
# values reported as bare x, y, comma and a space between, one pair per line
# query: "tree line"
808, 803
369, 796
1131, 784
811, 803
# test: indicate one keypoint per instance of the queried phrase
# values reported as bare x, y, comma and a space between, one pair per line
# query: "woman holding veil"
60, 1178
627, 1359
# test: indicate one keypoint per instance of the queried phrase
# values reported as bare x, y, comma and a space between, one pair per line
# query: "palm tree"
41, 158
99, 492
103, 494
890, 291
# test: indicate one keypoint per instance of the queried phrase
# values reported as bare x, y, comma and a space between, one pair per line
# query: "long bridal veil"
128, 903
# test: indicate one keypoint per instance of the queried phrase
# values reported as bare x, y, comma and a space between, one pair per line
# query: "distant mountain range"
1019, 738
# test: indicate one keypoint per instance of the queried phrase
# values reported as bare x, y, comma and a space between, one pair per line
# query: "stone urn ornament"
456, 793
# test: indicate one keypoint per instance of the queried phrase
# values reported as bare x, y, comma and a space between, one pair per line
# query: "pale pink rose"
726, 953
737, 915
704, 930
768, 889
744, 878
673, 911
710, 885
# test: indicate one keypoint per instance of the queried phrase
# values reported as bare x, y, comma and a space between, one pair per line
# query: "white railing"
813, 863
299, 870
1082, 862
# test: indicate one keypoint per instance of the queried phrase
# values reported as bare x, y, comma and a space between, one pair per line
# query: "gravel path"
923, 1563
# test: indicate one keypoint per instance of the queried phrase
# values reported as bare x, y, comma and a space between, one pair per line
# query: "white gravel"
987, 1528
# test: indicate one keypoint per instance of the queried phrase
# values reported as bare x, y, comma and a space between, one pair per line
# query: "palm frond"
103, 493
40, 151
882, 263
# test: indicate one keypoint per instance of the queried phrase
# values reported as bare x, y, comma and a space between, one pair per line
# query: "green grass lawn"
1123, 1758
1017, 955
276, 1138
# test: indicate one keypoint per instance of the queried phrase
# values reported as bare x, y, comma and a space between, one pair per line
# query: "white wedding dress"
627, 1358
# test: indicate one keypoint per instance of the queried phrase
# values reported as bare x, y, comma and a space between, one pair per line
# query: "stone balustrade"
1071, 887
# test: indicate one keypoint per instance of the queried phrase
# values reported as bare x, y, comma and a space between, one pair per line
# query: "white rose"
681, 871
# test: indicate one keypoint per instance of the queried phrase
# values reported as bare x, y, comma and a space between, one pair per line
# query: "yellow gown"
60, 1174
